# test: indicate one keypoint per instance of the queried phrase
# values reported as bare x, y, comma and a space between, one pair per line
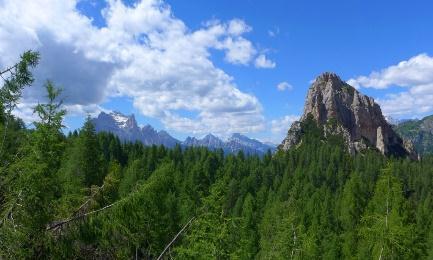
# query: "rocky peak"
327, 78
127, 129
339, 108
120, 120
237, 140
212, 140
148, 129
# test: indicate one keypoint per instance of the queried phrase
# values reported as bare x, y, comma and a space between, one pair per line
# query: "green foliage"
12, 134
419, 132
91, 164
33, 185
15, 79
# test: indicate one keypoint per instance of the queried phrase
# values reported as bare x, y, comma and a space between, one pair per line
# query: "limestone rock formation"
339, 108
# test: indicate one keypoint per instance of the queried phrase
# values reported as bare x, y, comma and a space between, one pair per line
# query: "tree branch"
174, 239
55, 225
87, 201
9, 69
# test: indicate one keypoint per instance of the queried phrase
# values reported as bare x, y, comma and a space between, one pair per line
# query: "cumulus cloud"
239, 51
284, 86
263, 62
280, 126
84, 80
416, 102
415, 75
416, 71
144, 53
238, 27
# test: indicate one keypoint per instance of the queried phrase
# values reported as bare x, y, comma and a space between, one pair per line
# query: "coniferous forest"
84, 195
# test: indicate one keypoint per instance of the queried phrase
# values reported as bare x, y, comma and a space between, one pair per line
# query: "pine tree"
386, 231
91, 157
213, 234
15, 79
350, 209
110, 186
248, 243
34, 187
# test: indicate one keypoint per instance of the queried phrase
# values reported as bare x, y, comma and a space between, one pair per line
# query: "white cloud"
143, 53
239, 51
284, 86
280, 126
262, 62
415, 75
416, 71
274, 33
25, 111
238, 27
416, 102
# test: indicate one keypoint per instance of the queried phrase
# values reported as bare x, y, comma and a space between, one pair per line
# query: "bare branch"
57, 224
174, 239
87, 201
9, 69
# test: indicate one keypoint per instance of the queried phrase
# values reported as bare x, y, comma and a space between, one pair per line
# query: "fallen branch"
87, 201
174, 239
55, 225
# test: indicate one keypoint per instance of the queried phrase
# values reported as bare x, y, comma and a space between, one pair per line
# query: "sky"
197, 67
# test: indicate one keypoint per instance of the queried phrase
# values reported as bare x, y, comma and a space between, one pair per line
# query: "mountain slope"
209, 141
126, 128
340, 109
419, 132
238, 142
234, 144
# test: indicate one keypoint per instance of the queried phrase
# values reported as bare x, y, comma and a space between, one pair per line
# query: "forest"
83, 195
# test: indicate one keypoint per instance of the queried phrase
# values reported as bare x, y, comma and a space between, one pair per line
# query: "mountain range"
127, 129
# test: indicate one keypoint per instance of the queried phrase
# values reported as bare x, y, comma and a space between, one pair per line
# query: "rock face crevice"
339, 108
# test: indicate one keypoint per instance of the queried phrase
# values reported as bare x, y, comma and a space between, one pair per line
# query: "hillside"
419, 132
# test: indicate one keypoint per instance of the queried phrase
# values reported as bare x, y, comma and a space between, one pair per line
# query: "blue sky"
381, 47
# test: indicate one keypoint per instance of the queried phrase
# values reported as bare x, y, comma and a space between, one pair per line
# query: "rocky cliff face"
339, 108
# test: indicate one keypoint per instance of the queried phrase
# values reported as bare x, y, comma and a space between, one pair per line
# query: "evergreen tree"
15, 79
213, 235
385, 230
33, 188
91, 158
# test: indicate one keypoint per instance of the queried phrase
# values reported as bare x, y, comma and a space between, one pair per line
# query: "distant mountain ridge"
127, 129
419, 132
